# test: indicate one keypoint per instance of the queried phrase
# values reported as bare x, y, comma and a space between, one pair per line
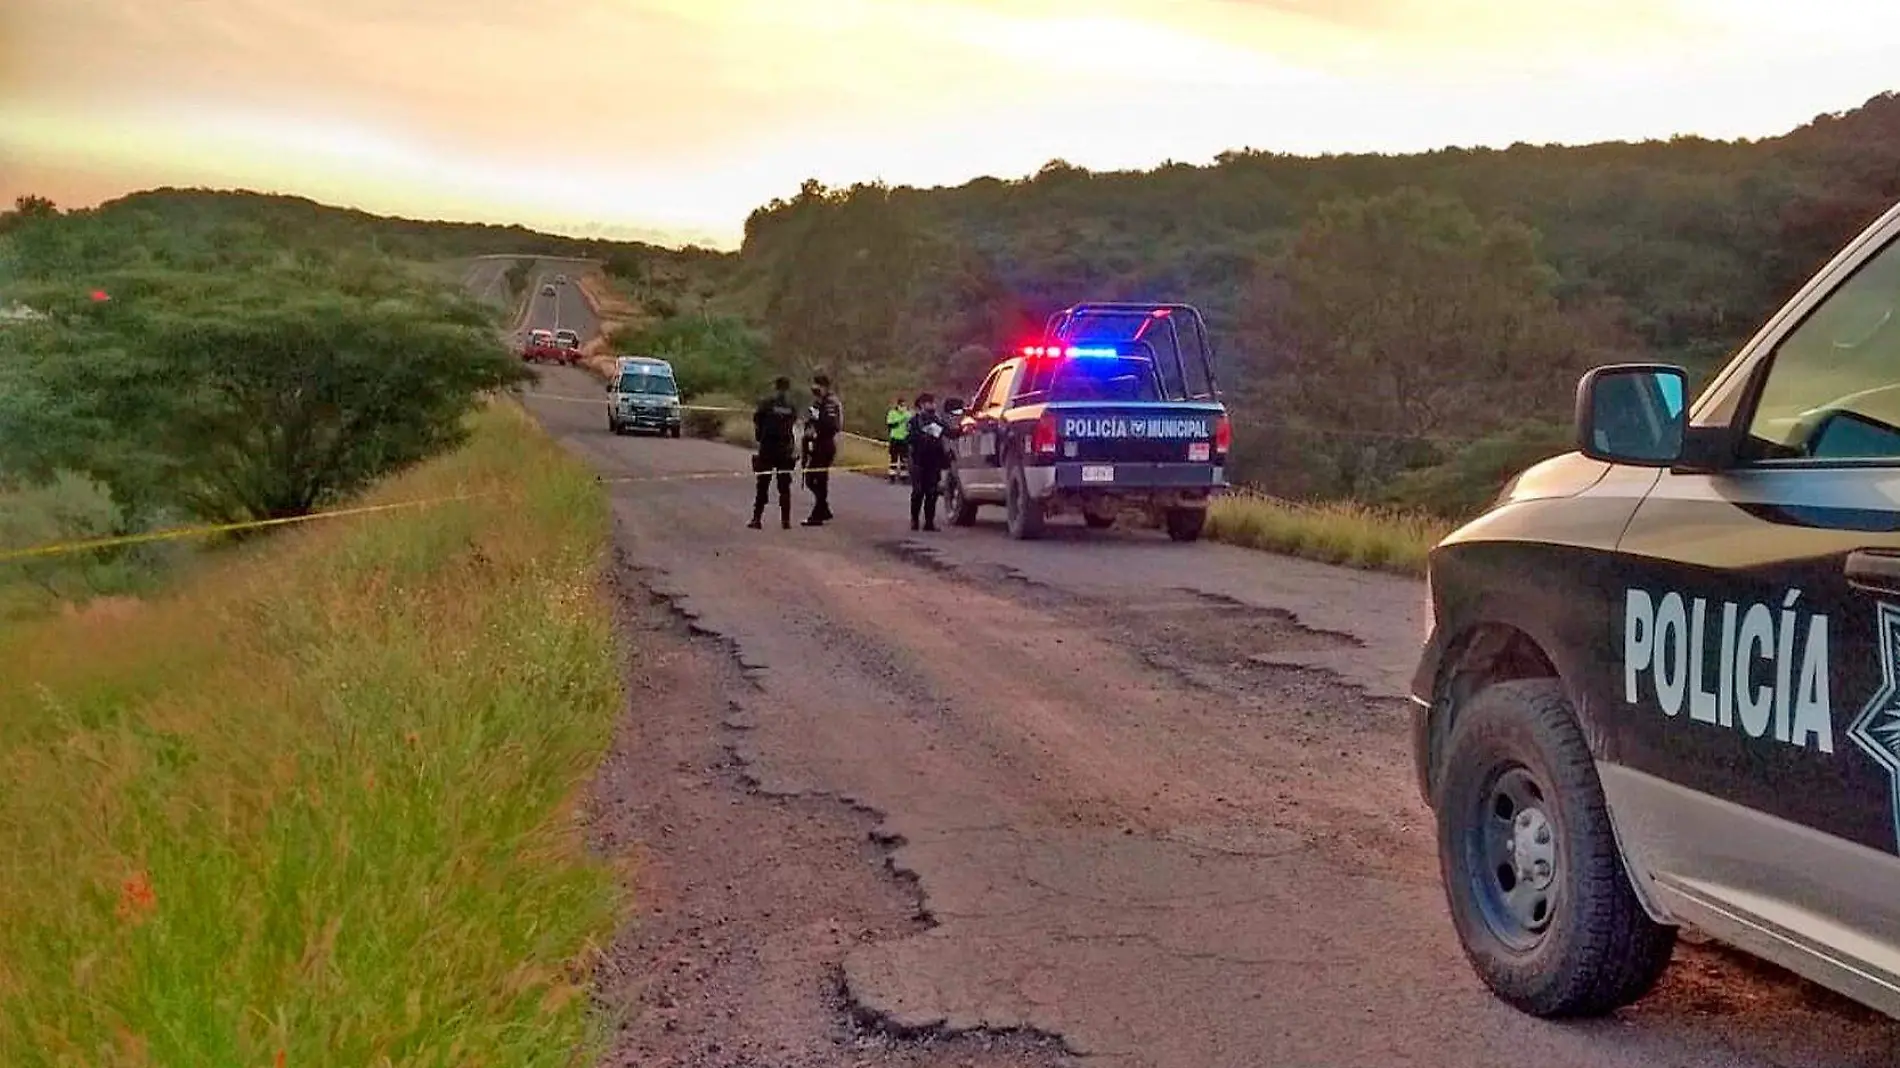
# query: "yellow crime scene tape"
8, 556
206, 530
209, 529
682, 407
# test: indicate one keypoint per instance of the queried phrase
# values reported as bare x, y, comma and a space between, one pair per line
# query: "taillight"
1223, 435
1042, 440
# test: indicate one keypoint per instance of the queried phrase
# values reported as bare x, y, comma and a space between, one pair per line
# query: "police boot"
757, 514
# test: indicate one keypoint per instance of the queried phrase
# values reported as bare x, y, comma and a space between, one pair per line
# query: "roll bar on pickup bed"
1175, 333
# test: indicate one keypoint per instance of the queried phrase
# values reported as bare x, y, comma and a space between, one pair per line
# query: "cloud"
688, 113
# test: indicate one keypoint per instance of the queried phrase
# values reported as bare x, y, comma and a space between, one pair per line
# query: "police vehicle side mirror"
1633, 413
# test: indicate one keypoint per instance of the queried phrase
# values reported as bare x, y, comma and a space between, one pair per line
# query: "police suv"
1116, 408
1661, 684
643, 395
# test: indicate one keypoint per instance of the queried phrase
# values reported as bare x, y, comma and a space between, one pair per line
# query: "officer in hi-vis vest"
897, 421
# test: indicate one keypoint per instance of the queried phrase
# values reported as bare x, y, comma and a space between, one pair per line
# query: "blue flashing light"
1077, 350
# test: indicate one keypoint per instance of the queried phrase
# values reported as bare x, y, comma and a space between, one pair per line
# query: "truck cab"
1116, 408
643, 395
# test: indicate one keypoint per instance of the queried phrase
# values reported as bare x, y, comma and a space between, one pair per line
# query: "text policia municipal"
1744, 666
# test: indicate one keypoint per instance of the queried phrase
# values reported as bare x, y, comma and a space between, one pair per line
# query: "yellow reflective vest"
898, 420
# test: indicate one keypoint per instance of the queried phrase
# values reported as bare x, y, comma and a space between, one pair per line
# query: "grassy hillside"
1392, 329
316, 806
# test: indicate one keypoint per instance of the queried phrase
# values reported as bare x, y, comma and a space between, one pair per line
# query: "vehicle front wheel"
1538, 892
1186, 524
1025, 512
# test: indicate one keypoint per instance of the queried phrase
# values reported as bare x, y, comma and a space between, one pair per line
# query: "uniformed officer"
897, 422
827, 419
929, 456
773, 423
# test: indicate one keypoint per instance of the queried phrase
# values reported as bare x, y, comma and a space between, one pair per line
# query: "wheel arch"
1493, 652
1483, 655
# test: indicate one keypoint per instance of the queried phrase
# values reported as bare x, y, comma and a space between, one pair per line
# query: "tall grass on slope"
1335, 533
319, 806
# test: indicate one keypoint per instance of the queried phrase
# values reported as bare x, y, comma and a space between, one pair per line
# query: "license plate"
1198, 451
1098, 472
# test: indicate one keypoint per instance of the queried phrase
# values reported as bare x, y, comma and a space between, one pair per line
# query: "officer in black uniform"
929, 456
823, 427
773, 423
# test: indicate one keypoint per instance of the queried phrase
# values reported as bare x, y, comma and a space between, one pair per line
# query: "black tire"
1186, 524
962, 510
1098, 521
1026, 516
1594, 950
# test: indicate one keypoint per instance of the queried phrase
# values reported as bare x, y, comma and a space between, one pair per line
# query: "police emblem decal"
1877, 729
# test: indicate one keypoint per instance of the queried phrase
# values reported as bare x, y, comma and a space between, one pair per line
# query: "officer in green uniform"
897, 420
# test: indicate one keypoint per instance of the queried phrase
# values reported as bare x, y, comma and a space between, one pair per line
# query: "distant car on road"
567, 339
547, 290
1661, 679
560, 279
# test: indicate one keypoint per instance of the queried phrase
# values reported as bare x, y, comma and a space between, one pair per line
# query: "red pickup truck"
547, 346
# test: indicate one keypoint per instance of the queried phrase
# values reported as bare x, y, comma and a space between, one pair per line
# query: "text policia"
1749, 667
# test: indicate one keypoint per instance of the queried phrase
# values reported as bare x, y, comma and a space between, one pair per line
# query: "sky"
670, 120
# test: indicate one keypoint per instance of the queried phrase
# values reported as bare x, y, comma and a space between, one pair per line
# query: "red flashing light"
1162, 313
99, 296
1042, 440
1223, 435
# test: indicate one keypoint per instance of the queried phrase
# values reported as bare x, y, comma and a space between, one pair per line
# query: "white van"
643, 396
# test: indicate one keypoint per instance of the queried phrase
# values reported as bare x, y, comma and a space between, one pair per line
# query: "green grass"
1335, 533
317, 805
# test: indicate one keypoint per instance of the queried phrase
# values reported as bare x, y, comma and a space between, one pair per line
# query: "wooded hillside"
1405, 329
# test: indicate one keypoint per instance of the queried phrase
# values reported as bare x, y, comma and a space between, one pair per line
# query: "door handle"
1874, 569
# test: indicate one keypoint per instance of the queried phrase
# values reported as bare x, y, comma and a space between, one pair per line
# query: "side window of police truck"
1832, 392
980, 400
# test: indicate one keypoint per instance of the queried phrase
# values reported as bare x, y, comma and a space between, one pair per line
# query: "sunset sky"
674, 118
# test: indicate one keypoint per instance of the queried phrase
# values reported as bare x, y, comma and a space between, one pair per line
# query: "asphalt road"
936, 799
486, 278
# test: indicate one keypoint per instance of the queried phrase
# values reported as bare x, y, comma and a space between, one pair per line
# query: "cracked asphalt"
947, 799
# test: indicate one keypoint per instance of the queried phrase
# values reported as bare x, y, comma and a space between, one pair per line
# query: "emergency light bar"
1072, 350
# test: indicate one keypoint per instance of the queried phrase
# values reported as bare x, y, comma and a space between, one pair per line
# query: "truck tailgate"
1135, 432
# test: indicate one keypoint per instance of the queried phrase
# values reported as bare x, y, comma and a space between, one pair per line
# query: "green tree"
1403, 320
287, 410
251, 396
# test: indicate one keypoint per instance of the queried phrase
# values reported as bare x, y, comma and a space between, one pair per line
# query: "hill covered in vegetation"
256, 357
1396, 329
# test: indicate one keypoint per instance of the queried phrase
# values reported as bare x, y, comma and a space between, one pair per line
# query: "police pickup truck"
643, 396
1661, 683
1115, 408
